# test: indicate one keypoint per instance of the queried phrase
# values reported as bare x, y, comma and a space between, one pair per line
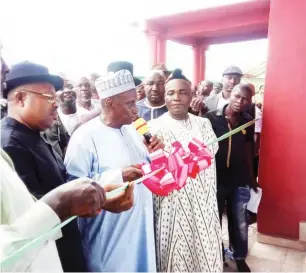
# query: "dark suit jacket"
42, 170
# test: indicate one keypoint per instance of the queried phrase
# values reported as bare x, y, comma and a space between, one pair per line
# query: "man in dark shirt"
234, 163
32, 108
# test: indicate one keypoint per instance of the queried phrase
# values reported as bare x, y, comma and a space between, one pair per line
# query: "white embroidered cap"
114, 83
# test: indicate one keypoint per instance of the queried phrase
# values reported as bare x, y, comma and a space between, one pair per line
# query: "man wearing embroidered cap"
231, 77
109, 147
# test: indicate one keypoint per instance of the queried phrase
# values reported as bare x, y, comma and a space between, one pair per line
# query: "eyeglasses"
51, 99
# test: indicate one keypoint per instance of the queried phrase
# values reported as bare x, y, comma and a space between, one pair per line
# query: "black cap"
28, 72
120, 65
233, 70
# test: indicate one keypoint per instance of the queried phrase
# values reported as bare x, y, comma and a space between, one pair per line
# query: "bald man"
204, 89
153, 105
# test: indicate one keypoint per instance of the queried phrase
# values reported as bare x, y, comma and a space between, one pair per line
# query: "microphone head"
141, 126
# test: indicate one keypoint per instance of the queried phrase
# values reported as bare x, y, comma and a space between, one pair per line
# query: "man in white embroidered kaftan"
187, 227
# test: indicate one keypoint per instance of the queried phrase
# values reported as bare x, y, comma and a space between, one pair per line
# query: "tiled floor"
268, 258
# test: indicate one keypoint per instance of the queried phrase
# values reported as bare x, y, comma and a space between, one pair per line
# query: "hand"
155, 144
124, 201
131, 173
81, 197
197, 104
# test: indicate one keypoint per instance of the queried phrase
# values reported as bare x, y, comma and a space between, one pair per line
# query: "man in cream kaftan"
188, 233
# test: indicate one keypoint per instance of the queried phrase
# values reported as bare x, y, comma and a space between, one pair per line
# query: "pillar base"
277, 241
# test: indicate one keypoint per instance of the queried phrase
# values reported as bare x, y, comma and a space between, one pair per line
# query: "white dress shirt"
222, 101
69, 121
22, 220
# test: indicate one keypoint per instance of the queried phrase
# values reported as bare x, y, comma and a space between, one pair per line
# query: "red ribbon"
176, 166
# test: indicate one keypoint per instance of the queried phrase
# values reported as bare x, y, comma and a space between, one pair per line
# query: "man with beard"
234, 162
109, 147
153, 105
32, 108
231, 77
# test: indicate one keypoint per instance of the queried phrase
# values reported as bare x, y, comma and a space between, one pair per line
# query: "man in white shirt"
85, 102
68, 110
231, 77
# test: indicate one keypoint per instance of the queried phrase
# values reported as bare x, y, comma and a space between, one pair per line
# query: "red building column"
199, 63
282, 172
161, 49
152, 38
157, 44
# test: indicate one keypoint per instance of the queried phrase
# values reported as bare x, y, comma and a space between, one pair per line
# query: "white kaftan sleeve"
81, 155
22, 219
38, 220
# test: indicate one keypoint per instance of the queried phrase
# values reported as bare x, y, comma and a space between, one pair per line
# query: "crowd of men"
54, 131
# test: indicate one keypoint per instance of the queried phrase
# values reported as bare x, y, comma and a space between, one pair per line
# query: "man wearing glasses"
32, 108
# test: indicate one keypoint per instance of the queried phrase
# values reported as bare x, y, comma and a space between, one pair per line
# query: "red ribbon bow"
175, 167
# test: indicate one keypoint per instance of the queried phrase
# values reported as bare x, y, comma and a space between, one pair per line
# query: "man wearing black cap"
32, 108
231, 77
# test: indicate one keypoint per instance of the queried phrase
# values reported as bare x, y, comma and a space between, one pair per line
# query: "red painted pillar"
161, 49
199, 63
282, 170
152, 38
157, 44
